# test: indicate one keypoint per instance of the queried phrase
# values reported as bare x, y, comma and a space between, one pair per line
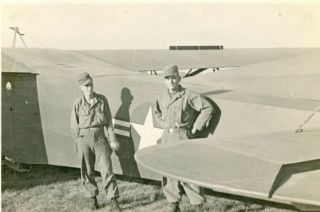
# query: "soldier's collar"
95, 99
177, 94
181, 91
98, 97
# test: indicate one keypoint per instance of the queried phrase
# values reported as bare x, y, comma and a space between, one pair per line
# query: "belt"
175, 129
94, 129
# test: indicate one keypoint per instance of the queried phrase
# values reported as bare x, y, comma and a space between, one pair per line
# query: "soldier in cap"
89, 116
181, 113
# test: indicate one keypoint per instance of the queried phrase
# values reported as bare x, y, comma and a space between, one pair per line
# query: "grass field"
50, 188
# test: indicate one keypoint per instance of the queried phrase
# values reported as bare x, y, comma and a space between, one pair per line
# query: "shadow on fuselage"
126, 152
214, 121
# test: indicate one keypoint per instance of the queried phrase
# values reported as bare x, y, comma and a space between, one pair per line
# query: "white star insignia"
148, 133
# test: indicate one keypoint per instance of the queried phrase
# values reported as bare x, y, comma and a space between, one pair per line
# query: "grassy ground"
49, 188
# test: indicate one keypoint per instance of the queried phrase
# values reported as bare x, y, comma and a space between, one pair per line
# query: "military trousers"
171, 189
170, 186
93, 148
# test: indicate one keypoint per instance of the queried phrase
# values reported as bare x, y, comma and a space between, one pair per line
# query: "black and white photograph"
164, 106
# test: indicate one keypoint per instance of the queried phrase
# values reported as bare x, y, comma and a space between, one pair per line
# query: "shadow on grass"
156, 195
46, 175
210, 192
248, 200
38, 175
139, 180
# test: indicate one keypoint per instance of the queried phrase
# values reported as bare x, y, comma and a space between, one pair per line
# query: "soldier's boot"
175, 207
115, 205
94, 203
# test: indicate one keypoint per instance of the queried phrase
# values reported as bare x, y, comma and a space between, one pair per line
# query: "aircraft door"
22, 136
7, 135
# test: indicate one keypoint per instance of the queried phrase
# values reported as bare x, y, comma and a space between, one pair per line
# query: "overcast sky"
149, 26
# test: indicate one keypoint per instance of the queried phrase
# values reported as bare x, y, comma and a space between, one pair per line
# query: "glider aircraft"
264, 143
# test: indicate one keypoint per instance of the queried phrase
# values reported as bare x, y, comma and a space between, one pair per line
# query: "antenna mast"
16, 31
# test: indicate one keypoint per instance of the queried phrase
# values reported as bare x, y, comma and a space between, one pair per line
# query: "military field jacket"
182, 109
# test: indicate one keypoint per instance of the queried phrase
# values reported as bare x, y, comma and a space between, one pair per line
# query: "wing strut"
193, 73
154, 71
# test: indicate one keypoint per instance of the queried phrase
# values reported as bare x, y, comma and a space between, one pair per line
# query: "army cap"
84, 78
170, 70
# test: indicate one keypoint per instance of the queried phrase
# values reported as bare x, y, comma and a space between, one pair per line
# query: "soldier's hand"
114, 143
193, 131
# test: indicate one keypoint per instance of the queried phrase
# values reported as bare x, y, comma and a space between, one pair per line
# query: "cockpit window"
8, 86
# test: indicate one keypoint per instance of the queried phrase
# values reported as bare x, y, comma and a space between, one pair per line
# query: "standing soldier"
181, 113
90, 114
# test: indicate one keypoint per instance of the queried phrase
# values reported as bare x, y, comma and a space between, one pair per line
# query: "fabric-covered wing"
282, 167
138, 60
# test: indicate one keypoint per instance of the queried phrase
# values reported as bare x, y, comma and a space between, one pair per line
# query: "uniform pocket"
84, 118
84, 112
